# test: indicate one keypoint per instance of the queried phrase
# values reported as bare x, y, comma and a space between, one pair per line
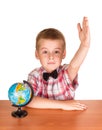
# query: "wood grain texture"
47, 119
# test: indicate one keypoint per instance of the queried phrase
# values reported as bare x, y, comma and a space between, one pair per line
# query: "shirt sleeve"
32, 81
73, 83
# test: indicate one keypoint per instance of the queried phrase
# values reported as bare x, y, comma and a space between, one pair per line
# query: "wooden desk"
43, 119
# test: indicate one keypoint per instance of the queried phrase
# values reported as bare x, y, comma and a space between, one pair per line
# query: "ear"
64, 54
36, 54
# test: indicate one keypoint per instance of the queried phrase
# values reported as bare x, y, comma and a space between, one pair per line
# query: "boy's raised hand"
84, 32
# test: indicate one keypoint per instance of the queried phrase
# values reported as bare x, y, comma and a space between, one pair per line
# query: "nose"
51, 56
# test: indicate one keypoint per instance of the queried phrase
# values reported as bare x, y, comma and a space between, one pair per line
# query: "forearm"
39, 102
79, 56
44, 103
77, 61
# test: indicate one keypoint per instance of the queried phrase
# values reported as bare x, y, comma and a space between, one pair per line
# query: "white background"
21, 20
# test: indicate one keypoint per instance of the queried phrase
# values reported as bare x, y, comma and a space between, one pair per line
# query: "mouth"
50, 63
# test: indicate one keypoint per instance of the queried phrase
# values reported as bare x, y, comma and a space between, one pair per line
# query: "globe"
20, 94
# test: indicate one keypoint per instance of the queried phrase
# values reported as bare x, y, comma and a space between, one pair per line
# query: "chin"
50, 68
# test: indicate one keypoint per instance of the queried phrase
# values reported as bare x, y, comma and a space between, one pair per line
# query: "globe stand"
19, 113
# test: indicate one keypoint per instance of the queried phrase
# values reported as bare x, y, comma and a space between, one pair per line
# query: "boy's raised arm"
84, 36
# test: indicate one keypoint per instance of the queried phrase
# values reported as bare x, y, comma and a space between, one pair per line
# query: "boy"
54, 84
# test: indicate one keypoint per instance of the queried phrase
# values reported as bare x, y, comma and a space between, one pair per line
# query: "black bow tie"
53, 74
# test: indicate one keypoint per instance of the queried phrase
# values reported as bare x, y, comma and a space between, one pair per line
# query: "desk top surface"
47, 119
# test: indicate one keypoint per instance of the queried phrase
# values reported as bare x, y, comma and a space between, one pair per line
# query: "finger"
79, 27
85, 23
80, 106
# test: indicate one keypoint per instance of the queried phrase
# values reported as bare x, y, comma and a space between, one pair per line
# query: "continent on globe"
20, 87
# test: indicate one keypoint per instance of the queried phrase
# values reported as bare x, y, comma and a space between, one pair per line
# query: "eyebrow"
47, 48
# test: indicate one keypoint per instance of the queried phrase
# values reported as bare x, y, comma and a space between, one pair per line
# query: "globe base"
19, 113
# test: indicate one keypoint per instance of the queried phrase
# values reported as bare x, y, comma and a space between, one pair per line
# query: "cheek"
58, 59
43, 59
59, 56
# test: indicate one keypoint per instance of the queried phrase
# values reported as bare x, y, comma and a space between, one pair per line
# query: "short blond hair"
50, 33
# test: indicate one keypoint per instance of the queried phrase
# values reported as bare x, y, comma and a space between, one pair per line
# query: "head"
50, 48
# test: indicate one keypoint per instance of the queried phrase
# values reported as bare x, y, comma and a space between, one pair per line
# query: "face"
50, 53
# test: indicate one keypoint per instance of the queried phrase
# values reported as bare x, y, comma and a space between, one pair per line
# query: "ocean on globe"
20, 94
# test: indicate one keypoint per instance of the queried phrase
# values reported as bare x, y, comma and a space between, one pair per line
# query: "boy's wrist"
85, 45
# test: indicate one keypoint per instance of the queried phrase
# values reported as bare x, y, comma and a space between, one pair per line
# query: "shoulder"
63, 67
63, 71
36, 72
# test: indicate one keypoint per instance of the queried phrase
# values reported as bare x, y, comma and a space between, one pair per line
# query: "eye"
44, 52
57, 52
